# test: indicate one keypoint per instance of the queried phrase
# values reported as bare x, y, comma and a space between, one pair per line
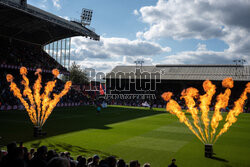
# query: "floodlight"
86, 16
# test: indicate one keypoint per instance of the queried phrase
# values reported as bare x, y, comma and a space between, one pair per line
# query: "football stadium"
161, 115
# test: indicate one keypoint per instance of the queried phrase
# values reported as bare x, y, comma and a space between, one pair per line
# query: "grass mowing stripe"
154, 143
157, 158
175, 129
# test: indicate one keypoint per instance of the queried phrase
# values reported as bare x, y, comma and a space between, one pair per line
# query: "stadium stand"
24, 31
33, 25
173, 78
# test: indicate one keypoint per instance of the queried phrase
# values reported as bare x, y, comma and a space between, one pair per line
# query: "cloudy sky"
159, 31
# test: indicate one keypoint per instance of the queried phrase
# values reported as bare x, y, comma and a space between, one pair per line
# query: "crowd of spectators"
20, 156
15, 53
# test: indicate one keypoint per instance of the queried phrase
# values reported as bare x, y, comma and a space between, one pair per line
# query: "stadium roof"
30, 24
191, 72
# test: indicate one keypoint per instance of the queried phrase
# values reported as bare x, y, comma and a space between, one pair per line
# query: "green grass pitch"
131, 133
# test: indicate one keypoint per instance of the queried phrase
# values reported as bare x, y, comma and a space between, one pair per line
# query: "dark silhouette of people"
111, 161
134, 163
40, 158
95, 161
173, 163
81, 161
121, 163
20, 156
59, 162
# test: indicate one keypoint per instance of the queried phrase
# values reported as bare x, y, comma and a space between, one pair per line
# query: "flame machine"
208, 150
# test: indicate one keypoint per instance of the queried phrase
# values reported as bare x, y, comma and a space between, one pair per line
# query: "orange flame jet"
174, 108
233, 113
189, 95
205, 100
222, 102
41, 105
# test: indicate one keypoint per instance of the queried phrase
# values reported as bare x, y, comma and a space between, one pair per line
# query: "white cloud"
107, 65
113, 51
56, 4
200, 19
201, 47
99, 66
135, 12
40, 4
181, 19
203, 56
45, 3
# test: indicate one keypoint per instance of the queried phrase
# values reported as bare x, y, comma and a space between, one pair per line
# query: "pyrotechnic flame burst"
40, 106
201, 125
